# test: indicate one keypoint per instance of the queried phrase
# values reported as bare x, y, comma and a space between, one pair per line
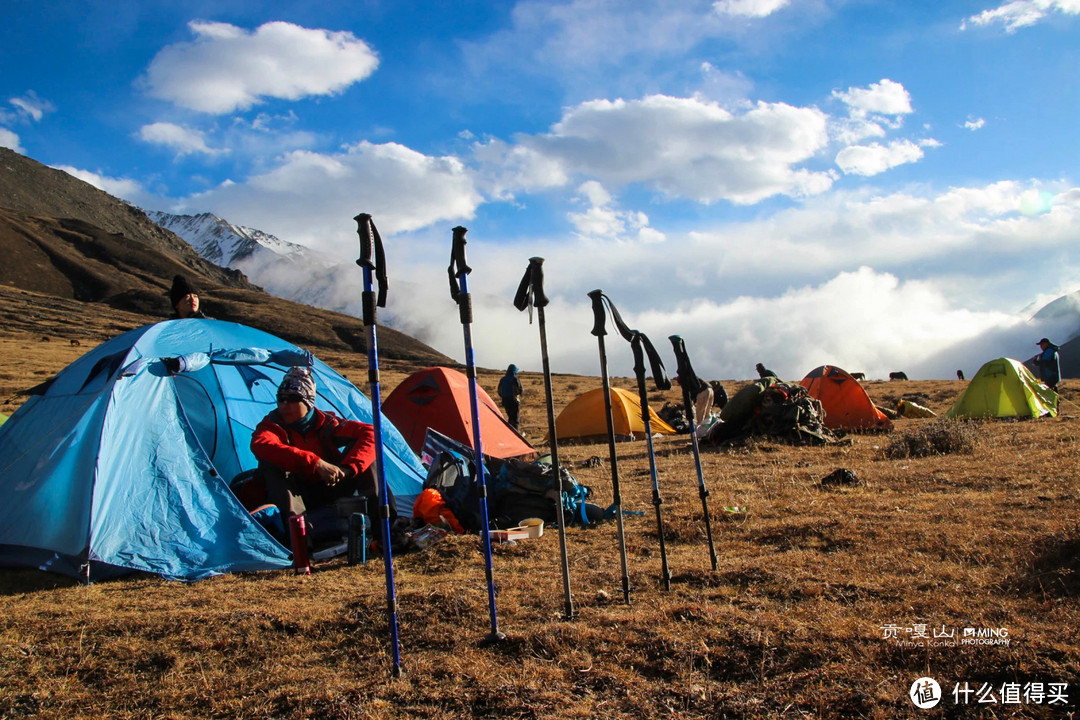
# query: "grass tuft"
944, 437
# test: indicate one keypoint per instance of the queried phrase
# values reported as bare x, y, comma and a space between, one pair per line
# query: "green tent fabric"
1004, 388
3, 418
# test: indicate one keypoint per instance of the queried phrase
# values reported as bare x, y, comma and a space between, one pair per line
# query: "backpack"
453, 476
523, 490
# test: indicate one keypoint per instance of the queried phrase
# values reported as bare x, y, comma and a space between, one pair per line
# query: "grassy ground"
828, 601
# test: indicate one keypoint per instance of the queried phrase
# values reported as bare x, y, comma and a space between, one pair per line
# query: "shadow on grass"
1054, 567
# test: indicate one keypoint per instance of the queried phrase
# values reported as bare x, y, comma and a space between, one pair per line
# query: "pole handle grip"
372, 258
530, 292
599, 316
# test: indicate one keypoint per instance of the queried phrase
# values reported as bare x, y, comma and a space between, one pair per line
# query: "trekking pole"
373, 262
459, 292
599, 330
640, 345
530, 294
687, 379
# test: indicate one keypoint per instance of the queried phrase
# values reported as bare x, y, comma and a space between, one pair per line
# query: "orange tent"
585, 416
438, 398
846, 404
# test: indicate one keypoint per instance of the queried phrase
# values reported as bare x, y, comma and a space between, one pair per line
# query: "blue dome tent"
121, 465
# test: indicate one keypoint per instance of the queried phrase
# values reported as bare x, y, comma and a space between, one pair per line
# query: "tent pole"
531, 293
372, 261
459, 291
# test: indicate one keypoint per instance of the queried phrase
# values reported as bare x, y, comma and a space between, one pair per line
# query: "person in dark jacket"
310, 458
763, 371
184, 299
510, 391
1048, 363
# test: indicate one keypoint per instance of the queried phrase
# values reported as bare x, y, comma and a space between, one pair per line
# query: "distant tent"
1004, 388
846, 404
438, 398
3, 418
124, 465
585, 416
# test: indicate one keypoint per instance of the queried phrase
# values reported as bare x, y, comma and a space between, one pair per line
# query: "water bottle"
358, 524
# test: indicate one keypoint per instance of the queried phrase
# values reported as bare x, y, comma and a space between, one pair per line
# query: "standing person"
510, 391
310, 458
184, 299
1048, 363
701, 395
763, 371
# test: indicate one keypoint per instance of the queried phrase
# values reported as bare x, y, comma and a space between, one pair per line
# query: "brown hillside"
62, 237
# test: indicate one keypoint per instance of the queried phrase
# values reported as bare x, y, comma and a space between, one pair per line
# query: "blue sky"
797, 182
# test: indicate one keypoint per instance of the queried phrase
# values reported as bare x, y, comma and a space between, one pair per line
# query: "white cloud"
748, 8
10, 140
184, 141
228, 68
976, 124
602, 220
1022, 13
31, 106
877, 158
310, 198
507, 169
123, 188
887, 97
689, 147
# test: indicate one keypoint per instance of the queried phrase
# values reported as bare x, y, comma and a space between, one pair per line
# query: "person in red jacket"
310, 458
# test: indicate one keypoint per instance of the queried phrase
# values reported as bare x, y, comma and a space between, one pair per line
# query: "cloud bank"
227, 68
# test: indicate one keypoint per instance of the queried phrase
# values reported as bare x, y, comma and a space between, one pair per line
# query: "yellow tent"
584, 417
1004, 388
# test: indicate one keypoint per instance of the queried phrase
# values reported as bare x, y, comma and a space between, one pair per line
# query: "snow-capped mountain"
282, 268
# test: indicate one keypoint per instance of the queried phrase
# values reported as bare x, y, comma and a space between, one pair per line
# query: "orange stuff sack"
432, 509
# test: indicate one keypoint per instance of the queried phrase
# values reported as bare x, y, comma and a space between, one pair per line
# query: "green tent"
1004, 388
3, 418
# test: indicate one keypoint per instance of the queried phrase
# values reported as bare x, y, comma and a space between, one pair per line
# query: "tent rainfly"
120, 464
1004, 388
438, 398
846, 404
585, 417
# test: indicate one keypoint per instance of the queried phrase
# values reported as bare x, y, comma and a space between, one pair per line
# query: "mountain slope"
284, 269
60, 250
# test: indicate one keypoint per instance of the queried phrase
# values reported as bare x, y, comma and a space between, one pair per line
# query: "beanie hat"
180, 288
298, 381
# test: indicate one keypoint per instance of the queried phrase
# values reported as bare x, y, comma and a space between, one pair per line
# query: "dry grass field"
829, 601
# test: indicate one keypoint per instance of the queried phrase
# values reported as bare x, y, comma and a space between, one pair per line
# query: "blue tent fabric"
121, 465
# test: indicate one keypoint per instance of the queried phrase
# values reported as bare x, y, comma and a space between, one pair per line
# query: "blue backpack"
454, 477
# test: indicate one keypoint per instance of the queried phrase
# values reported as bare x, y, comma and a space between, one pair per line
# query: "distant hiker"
310, 458
1048, 364
510, 391
184, 299
959, 374
763, 371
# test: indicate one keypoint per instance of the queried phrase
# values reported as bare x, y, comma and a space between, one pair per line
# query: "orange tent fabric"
585, 416
846, 404
438, 398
